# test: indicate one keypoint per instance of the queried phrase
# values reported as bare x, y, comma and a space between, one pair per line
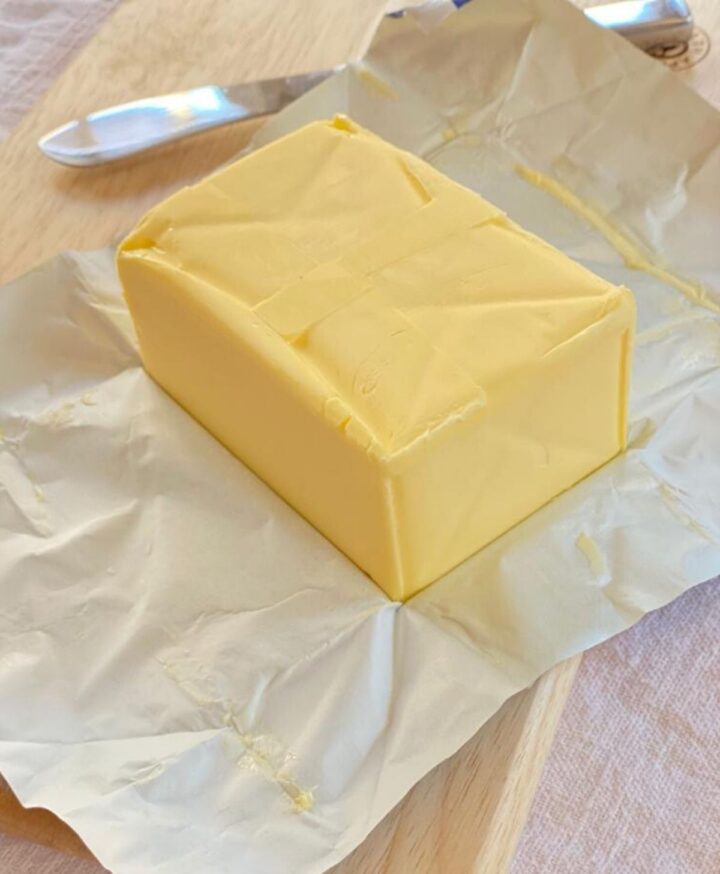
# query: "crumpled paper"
192, 676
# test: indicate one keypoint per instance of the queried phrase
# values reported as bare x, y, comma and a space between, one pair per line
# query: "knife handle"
130, 128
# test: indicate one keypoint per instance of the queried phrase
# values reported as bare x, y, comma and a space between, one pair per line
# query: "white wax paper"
192, 676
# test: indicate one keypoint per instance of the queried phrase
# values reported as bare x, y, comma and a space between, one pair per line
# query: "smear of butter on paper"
657, 332
64, 414
57, 417
265, 755
632, 254
593, 554
674, 504
374, 83
261, 752
21, 488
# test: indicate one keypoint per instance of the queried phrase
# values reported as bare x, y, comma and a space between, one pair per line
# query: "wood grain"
466, 816
152, 48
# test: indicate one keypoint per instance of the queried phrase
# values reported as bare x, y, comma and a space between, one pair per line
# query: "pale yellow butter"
408, 368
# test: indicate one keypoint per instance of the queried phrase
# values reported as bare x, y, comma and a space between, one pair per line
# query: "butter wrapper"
194, 678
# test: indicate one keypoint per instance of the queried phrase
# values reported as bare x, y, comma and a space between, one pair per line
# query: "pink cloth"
22, 857
632, 785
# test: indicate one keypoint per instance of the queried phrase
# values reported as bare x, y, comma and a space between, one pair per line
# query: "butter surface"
408, 368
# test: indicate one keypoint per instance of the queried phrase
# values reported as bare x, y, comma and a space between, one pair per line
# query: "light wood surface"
467, 815
153, 47
148, 48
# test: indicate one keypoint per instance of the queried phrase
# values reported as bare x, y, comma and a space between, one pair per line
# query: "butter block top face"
397, 301
404, 365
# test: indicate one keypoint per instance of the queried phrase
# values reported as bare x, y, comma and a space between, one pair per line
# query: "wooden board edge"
473, 806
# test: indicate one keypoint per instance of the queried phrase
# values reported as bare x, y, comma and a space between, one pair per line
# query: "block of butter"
404, 365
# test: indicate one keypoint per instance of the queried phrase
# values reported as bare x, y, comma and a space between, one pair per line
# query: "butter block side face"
230, 375
405, 366
537, 436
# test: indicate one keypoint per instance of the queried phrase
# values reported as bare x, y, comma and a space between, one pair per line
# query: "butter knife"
124, 130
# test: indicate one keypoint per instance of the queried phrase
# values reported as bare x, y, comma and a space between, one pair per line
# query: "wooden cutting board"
466, 815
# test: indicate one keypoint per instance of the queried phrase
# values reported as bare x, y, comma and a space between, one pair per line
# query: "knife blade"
124, 130
121, 131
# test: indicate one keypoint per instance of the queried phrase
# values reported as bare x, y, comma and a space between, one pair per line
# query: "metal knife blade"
647, 23
120, 131
124, 130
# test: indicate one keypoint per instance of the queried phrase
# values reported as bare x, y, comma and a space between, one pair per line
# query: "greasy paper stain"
64, 414
674, 504
657, 332
262, 753
19, 485
265, 755
593, 554
58, 417
374, 83
54, 419
632, 254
